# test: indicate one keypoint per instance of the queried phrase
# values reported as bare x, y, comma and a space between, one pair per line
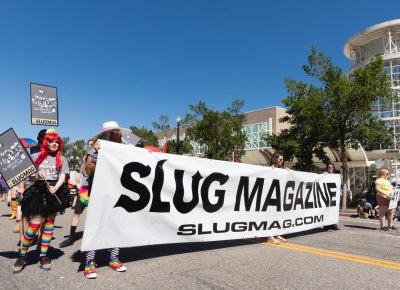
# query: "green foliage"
162, 124
305, 137
184, 148
373, 133
348, 101
221, 132
65, 141
147, 136
74, 152
337, 113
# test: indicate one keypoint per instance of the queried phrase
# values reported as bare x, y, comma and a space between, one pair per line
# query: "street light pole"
178, 124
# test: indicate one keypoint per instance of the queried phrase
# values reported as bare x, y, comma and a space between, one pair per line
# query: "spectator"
81, 202
397, 214
384, 192
371, 198
364, 208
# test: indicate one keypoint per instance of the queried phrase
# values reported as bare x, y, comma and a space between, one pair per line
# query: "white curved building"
381, 39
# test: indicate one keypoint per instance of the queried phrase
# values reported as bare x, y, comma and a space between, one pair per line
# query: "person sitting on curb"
364, 208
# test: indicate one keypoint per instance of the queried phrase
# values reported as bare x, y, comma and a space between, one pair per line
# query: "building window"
255, 134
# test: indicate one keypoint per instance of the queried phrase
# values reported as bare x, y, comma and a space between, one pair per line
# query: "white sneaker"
117, 266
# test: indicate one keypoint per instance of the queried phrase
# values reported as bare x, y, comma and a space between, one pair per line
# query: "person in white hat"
110, 132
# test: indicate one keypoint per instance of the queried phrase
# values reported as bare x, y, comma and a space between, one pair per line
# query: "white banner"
142, 198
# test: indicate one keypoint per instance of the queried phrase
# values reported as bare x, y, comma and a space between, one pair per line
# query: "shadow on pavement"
154, 251
361, 227
32, 257
305, 233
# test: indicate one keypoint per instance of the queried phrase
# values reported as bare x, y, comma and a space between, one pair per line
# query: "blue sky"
131, 61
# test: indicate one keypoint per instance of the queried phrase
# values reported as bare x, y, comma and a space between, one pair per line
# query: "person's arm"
90, 165
21, 187
60, 182
91, 159
378, 186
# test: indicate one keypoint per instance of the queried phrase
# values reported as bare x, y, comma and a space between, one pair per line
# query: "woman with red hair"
38, 205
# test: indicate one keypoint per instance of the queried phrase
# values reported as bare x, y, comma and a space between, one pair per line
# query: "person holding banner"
330, 169
41, 201
384, 191
277, 162
110, 132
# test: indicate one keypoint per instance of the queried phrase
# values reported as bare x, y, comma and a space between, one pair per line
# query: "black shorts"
79, 206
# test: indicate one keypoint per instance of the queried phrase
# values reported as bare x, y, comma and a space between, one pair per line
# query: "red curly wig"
50, 135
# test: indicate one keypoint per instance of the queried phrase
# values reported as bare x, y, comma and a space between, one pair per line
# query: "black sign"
44, 105
15, 162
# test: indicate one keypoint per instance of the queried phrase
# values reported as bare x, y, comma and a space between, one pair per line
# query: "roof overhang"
369, 34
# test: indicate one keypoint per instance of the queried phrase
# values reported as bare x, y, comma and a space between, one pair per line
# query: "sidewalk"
348, 212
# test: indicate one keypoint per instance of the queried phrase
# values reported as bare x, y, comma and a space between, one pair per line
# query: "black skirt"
37, 200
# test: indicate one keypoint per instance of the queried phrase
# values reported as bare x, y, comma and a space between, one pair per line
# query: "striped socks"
47, 235
28, 238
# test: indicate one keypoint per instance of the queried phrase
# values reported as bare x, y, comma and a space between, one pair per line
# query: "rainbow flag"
84, 194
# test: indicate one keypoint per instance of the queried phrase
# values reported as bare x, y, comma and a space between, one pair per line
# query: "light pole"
178, 124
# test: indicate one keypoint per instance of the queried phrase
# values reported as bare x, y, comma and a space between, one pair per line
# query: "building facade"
382, 39
258, 124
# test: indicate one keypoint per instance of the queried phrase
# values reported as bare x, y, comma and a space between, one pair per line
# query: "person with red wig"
52, 168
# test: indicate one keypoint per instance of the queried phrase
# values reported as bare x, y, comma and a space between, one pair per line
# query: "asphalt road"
357, 257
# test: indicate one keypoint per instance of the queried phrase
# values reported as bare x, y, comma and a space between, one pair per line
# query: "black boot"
45, 263
67, 242
19, 265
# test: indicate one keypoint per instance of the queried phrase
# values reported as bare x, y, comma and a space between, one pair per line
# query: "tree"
342, 107
221, 132
147, 136
163, 123
306, 136
65, 145
74, 152
185, 147
349, 102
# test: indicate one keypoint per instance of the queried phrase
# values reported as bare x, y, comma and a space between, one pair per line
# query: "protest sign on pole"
15, 162
44, 105
394, 199
76, 178
143, 198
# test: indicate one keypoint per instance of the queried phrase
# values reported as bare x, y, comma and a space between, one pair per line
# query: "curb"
348, 213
